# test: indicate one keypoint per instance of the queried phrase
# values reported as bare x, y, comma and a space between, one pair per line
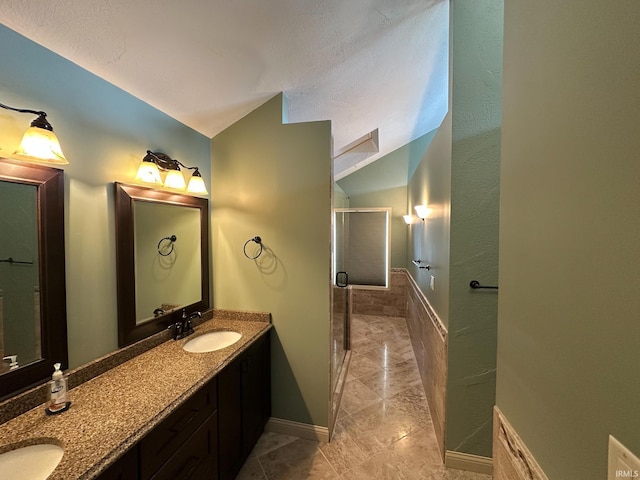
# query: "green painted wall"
429, 240
340, 198
274, 180
477, 32
568, 331
104, 133
458, 177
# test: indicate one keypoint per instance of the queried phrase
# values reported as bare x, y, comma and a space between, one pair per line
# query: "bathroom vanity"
164, 414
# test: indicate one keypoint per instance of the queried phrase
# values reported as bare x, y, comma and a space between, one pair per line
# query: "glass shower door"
339, 323
340, 298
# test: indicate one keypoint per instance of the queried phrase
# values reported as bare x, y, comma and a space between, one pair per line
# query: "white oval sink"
212, 341
34, 462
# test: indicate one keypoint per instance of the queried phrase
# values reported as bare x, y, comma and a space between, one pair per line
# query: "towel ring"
257, 240
172, 240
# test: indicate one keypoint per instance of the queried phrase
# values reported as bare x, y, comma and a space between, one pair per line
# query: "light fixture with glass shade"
423, 211
408, 219
39, 143
155, 162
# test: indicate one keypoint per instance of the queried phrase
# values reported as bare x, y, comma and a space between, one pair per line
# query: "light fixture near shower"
39, 143
423, 211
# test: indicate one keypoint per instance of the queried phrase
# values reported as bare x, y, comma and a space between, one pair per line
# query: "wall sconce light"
39, 143
423, 211
153, 162
408, 219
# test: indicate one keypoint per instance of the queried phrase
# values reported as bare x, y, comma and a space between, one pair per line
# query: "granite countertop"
113, 411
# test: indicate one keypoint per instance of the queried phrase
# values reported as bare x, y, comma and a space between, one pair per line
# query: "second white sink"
212, 341
35, 462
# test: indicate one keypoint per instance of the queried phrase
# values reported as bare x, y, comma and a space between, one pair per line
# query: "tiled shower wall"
390, 302
428, 336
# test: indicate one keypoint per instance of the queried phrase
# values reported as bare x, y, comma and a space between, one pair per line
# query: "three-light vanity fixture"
154, 162
39, 143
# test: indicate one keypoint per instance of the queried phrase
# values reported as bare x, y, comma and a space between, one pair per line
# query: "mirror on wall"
162, 259
33, 326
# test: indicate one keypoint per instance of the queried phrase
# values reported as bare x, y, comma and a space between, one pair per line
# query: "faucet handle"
188, 328
179, 330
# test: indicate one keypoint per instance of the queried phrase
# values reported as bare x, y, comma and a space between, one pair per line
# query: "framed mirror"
33, 313
162, 259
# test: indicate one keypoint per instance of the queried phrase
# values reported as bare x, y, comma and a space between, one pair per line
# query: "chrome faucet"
186, 321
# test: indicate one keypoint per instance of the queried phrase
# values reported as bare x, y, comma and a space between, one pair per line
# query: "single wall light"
39, 143
154, 162
423, 211
408, 219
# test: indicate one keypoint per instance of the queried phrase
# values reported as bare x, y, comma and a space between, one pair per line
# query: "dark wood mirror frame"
53, 306
128, 331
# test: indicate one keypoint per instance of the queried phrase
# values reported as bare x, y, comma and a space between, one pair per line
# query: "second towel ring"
171, 240
257, 240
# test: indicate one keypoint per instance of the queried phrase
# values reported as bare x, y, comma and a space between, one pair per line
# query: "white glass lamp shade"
408, 219
196, 185
148, 173
40, 145
175, 180
423, 211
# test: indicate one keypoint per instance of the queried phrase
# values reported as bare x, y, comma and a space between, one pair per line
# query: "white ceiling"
363, 64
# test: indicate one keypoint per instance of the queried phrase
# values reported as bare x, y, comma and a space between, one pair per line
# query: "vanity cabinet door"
230, 420
125, 468
244, 405
256, 393
160, 444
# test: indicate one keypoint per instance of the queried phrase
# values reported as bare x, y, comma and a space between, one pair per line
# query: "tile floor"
384, 429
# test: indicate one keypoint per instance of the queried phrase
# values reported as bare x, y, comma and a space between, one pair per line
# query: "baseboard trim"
297, 429
468, 462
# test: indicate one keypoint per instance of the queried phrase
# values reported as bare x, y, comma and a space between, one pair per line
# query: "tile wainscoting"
511, 458
429, 340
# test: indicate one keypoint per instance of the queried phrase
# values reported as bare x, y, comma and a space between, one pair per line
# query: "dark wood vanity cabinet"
186, 441
125, 468
211, 434
244, 406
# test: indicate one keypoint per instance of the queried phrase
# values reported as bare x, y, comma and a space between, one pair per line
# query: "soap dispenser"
13, 361
57, 389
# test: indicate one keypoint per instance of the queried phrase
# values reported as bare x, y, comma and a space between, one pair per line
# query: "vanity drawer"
160, 444
197, 459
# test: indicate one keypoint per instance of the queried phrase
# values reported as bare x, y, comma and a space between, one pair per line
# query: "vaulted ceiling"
367, 65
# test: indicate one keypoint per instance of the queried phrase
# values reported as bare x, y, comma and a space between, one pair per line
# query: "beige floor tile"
342, 452
357, 396
361, 365
251, 470
269, 441
364, 344
380, 425
301, 459
394, 380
